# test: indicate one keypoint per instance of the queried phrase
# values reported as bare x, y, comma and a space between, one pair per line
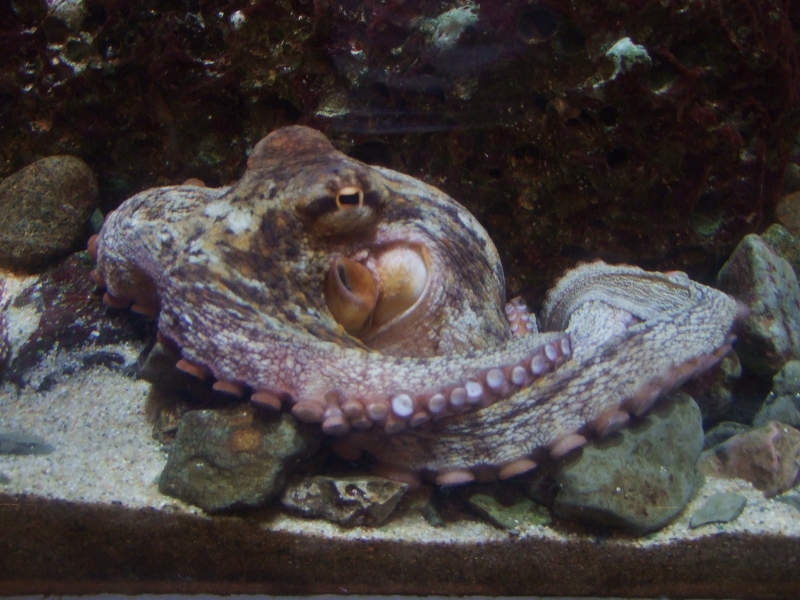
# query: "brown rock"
44, 209
360, 500
767, 457
234, 458
788, 212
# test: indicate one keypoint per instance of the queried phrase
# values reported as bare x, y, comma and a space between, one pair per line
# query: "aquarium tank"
423, 297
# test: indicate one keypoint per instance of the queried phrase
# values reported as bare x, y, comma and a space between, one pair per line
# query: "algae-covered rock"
784, 244
640, 478
232, 458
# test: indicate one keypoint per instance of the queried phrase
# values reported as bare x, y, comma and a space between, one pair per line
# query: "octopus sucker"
193, 369
266, 400
373, 304
610, 421
519, 317
454, 477
565, 444
231, 388
516, 467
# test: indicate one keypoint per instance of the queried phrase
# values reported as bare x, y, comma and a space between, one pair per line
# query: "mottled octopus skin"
636, 335
238, 277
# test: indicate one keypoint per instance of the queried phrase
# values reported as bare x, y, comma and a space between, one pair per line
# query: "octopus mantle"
373, 304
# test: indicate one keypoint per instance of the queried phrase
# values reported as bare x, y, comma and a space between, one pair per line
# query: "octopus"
373, 304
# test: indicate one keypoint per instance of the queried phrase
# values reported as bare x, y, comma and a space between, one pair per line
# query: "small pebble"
720, 508
22, 444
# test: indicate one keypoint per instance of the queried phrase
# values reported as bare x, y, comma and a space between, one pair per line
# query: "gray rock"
767, 457
766, 283
640, 478
787, 381
784, 244
45, 208
713, 390
347, 501
719, 508
783, 402
14, 442
507, 508
4, 479
233, 458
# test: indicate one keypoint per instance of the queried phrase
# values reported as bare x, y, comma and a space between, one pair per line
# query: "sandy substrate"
62, 512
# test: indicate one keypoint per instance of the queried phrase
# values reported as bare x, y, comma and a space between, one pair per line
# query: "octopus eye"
350, 197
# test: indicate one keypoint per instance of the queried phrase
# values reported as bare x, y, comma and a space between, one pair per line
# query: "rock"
787, 381
421, 500
652, 163
5, 342
232, 458
788, 212
783, 402
45, 209
169, 411
60, 326
507, 508
713, 389
791, 178
766, 283
767, 457
13, 442
348, 501
722, 431
784, 244
792, 499
4, 479
640, 478
720, 508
